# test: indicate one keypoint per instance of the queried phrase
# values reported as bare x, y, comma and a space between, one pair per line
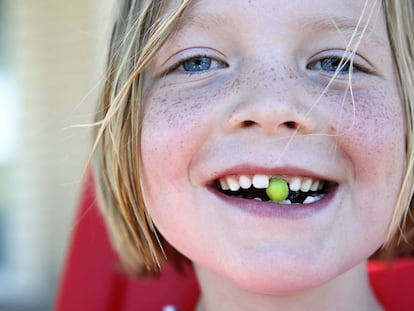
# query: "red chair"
92, 280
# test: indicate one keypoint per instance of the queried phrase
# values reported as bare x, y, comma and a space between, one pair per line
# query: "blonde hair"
400, 24
140, 30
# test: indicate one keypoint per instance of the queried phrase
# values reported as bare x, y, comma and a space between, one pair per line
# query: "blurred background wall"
51, 59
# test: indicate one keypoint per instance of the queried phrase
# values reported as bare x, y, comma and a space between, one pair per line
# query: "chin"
287, 278
283, 282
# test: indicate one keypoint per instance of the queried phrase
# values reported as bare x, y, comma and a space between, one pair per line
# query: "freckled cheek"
372, 130
173, 126
372, 118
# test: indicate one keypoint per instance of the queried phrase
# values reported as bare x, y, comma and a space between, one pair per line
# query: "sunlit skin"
237, 90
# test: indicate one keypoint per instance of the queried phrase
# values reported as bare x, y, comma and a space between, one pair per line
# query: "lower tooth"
321, 196
258, 199
310, 199
286, 202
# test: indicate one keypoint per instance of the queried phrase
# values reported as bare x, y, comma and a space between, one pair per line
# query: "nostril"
291, 124
248, 123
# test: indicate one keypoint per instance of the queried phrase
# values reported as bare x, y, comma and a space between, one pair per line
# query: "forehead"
341, 15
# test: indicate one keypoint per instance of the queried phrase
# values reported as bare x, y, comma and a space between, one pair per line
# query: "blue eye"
331, 65
196, 64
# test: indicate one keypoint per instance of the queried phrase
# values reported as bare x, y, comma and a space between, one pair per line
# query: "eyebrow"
204, 21
345, 26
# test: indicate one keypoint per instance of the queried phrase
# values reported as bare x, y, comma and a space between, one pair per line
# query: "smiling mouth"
302, 190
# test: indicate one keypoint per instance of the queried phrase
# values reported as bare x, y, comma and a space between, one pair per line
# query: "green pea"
278, 190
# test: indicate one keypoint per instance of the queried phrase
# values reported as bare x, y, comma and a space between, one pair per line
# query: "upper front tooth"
321, 185
261, 181
233, 183
295, 184
306, 184
315, 185
223, 184
245, 181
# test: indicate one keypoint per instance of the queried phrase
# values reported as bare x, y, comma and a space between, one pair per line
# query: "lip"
272, 209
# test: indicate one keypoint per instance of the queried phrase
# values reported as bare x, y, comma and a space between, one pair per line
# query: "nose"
271, 112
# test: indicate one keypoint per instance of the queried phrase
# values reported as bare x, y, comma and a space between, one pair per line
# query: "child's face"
237, 92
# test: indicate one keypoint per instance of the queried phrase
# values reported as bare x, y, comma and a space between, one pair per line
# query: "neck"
349, 291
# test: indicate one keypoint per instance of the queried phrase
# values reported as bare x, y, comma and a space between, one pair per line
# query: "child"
270, 142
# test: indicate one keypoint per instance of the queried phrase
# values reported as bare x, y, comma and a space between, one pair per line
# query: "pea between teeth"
278, 189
